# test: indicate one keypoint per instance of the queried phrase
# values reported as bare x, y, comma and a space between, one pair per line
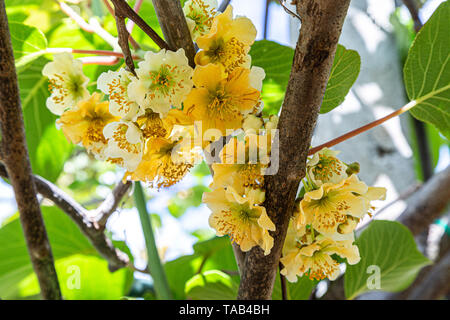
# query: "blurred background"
389, 155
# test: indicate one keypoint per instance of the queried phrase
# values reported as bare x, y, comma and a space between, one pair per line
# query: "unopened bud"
352, 168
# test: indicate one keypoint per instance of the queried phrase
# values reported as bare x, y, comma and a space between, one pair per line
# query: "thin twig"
223, 5
133, 42
110, 204
124, 10
282, 283
92, 26
123, 41
411, 5
289, 11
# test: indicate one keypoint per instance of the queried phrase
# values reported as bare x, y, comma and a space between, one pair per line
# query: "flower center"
327, 167
163, 80
221, 106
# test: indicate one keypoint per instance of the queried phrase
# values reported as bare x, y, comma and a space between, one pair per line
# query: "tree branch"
92, 26
322, 22
93, 230
223, 5
174, 27
15, 157
427, 203
122, 9
110, 204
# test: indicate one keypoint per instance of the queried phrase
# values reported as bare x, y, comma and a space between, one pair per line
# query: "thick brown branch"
322, 22
435, 284
88, 226
16, 160
174, 26
427, 203
122, 9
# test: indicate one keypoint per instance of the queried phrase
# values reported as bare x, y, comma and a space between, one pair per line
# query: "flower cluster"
148, 122
325, 219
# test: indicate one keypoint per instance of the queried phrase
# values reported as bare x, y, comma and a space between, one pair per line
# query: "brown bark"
15, 157
174, 26
322, 22
427, 203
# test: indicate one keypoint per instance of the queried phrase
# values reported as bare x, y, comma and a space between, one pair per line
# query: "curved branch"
122, 9
89, 227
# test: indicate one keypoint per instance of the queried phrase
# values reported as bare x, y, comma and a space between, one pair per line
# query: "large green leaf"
427, 71
389, 248
211, 285
69, 247
84, 277
215, 253
28, 43
345, 70
276, 60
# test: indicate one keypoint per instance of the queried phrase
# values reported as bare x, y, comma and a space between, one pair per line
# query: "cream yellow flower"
67, 83
165, 162
199, 16
324, 167
85, 124
220, 101
330, 205
227, 42
153, 126
241, 166
125, 144
307, 252
164, 80
115, 84
242, 218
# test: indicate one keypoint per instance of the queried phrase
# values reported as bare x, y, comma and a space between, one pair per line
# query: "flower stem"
364, 128
154, 263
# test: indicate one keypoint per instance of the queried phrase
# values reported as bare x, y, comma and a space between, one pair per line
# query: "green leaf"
69, 247
389, 246
28, 43
211, 285
211, 254
15, 263
84, 277
427, 71
276, 60
345, 70
52, 152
